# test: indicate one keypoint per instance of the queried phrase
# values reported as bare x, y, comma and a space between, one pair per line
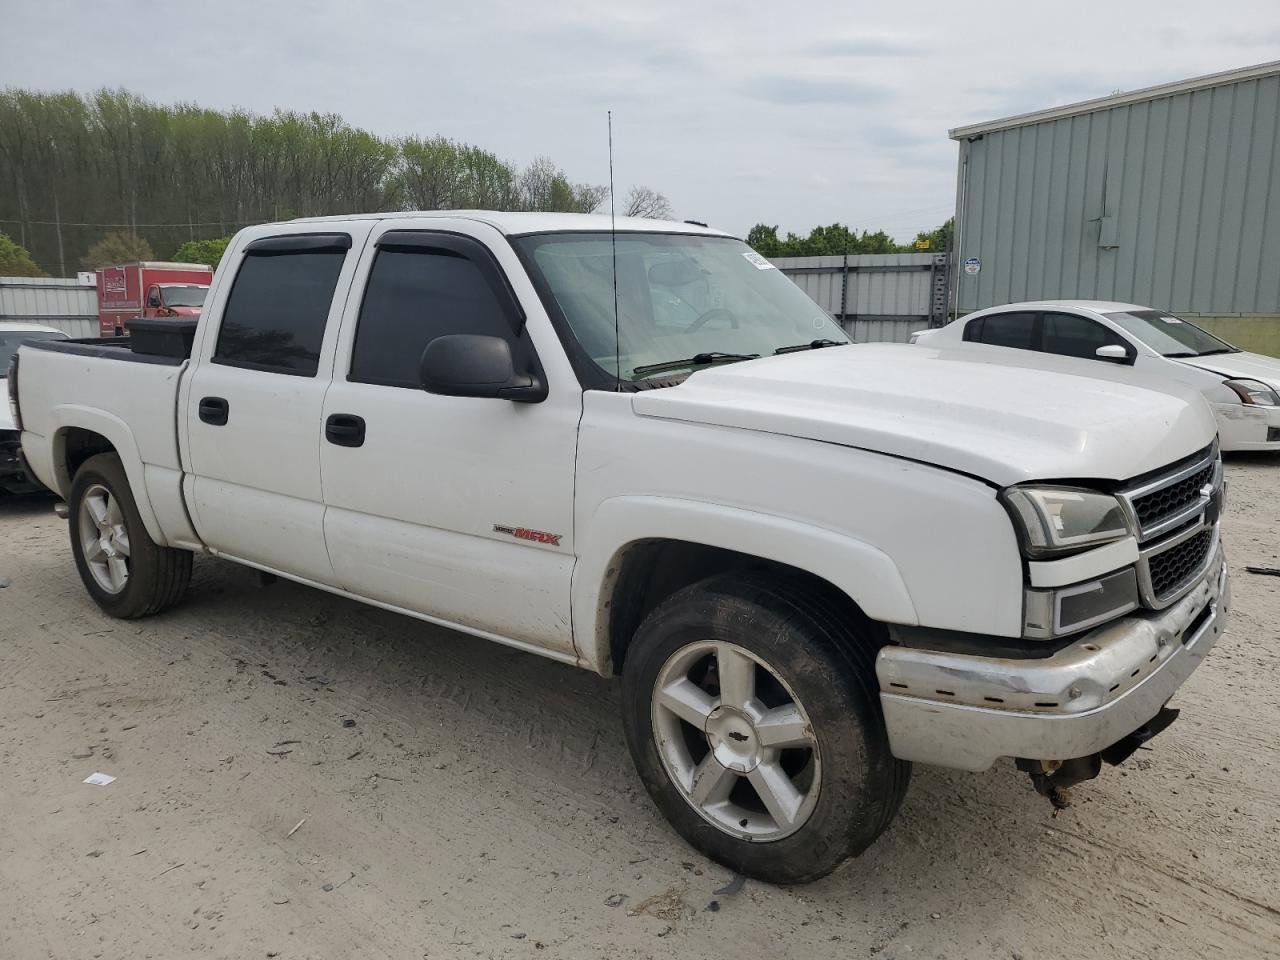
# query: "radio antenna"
613, 245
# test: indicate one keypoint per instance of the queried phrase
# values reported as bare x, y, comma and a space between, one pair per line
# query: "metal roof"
1119, 99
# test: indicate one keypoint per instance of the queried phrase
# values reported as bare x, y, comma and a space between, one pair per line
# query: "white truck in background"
647, 453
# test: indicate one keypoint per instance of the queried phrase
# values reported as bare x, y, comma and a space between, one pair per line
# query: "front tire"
127, 573
753, 717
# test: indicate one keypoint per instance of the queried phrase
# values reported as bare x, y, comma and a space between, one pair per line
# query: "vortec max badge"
524, 533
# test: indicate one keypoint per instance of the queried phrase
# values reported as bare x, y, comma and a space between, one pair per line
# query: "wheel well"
78, 445
652, 570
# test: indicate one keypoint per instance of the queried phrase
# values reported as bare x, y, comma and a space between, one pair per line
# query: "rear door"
1018, 329
458, 509
254, 402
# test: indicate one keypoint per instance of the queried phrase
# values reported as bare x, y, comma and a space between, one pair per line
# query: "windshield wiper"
811, 345
1179, 354
1209, 353
697, 360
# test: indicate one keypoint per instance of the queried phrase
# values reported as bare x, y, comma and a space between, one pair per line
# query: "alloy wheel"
736, 741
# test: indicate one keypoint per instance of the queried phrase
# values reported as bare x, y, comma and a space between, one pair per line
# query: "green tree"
170, 174
117, 248
763, 239
202, 251
935, 240
838, 240
15, 261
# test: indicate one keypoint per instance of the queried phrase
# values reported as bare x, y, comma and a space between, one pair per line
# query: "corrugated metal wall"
67, 305
880, 297
1172, 202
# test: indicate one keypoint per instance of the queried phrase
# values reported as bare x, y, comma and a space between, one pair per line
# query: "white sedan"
1242, 388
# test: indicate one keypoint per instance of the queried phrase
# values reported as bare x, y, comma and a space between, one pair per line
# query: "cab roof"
517, 224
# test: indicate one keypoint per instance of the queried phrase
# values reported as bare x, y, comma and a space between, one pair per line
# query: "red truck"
147, 289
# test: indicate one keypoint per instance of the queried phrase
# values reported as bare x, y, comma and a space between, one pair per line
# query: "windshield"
1170, 335
10, 341
679, 296
183, 296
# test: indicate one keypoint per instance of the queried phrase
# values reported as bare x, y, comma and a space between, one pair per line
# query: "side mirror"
1113, 353
469, 365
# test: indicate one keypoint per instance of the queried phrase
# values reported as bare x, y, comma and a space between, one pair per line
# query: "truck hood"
996, 414
1251, 365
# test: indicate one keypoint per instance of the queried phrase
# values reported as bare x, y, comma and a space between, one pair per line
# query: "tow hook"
1055, 778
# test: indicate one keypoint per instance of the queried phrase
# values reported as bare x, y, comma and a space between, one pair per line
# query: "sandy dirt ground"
459, 799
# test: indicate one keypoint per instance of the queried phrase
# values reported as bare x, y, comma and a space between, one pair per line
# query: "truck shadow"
1252, 459
557, 729
21, 505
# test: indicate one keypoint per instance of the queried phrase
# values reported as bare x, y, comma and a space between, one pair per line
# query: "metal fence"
67, 305
876, 296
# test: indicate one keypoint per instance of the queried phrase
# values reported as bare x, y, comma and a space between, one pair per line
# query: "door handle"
214, 410
344, 429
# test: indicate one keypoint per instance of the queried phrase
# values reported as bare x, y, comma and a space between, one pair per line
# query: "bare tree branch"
649, 203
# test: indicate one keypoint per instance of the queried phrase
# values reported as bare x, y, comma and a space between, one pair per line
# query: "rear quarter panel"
130, 403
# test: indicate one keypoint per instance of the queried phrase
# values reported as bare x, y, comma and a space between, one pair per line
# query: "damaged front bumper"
963, 711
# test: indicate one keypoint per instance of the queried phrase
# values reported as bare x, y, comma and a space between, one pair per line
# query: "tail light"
13, 392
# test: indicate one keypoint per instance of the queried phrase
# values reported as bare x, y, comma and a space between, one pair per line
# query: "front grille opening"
1159, 505
1172, 568
1273, 434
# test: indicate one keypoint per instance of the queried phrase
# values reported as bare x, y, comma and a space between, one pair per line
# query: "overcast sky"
788, 113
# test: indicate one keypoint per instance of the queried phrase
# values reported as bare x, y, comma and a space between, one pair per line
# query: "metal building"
875, 296
1167, 196
67, 305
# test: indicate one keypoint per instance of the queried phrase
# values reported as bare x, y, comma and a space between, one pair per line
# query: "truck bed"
103, 394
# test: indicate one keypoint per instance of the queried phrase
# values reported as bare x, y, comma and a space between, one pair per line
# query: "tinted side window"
1008, 330
412, 297
1073, 336
275, 316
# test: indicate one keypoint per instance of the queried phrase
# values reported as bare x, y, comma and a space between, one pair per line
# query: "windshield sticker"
760, 262
1170, 319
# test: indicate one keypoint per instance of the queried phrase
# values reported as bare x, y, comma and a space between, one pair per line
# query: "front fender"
863, 572
71, 416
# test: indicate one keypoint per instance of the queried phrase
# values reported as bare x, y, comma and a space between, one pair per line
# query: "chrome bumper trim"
965, 712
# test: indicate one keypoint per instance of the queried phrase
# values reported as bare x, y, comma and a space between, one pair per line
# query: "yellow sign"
922, 244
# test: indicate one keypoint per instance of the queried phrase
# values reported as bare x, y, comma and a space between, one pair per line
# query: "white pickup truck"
647, 453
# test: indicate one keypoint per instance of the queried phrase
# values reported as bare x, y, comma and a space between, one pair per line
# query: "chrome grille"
1166, 502
1174, 568
1176, 514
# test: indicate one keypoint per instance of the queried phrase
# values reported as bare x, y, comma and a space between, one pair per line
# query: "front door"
253, 410
458, 509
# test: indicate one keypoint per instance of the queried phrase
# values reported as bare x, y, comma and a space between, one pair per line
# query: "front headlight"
1254, 392
1057, 520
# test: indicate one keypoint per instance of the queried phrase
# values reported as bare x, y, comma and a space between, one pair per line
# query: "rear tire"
127, 573
782, 683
